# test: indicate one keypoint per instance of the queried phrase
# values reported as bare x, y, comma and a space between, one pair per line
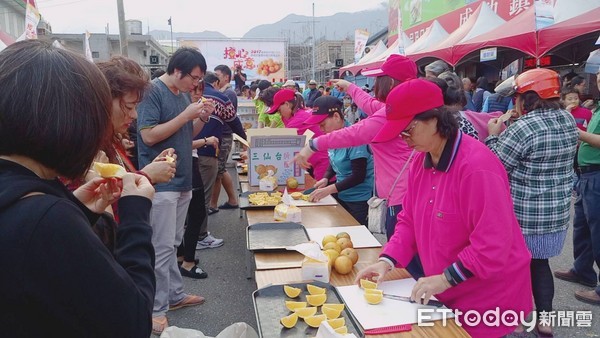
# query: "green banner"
415, 12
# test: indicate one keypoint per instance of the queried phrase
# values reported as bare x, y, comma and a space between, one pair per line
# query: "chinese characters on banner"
417, 15
32, 18
258, 59
360, 42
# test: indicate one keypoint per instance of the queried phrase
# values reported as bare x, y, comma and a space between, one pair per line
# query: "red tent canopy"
518, 33
552, 36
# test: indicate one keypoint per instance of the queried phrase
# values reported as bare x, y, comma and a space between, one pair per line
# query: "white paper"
361, 236
389, 312
326, 331
309, 135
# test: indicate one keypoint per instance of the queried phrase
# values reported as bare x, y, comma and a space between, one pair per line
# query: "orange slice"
337, 323
292, 306
316, 300
289, 321
315, 290
109, 170
306, 312
331, 313
315, 321
341, 330
367, 284
291, 291
373, 298
335, 306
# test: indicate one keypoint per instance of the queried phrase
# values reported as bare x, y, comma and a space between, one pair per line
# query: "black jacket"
58, 278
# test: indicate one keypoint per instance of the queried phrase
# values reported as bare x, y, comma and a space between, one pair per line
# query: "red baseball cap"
406, 100
396, 66
324, 107
280, 98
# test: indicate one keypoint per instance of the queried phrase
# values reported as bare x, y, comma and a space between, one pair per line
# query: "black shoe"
570, 276
195, 273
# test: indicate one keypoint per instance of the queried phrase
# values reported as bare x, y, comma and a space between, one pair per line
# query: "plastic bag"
237, 330
376, 218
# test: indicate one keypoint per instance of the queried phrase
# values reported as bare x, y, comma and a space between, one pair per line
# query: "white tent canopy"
486, 21
566, 9
433, 35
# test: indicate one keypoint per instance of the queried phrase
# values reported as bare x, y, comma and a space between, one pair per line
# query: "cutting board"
328, 200
360, 235
389, 312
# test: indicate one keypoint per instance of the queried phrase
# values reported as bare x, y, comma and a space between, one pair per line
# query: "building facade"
12, 17
143, 49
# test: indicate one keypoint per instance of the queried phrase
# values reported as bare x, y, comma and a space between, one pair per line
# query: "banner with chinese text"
360, 42
258, 59
417, 15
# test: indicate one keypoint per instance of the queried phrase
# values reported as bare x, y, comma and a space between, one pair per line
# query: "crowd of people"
477, 203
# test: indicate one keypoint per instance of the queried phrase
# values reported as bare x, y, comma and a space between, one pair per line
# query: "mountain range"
297, 28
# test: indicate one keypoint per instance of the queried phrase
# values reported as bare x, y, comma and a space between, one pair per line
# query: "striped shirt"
537, 151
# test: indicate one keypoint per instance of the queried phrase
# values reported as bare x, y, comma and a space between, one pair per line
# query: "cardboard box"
273, 155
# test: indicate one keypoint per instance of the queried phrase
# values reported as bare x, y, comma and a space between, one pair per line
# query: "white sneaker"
209, 242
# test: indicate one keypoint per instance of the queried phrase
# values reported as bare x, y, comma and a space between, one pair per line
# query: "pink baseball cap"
396, 66
280, 98
404, 102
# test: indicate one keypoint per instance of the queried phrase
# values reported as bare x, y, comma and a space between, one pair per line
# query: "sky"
230, 17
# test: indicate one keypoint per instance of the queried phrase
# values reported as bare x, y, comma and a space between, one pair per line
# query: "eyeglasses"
195, 78
408, 131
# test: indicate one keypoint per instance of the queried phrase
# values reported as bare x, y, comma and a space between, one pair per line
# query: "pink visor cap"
396, 66
404, 102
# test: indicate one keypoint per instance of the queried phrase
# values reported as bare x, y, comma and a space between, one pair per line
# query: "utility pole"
122, 30
171, 25
313, 41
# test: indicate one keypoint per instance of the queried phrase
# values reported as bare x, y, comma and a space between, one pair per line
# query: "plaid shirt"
537, 151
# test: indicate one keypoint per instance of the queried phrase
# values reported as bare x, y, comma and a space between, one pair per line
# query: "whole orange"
343, 265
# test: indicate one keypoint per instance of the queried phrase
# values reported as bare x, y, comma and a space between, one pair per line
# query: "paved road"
229, 294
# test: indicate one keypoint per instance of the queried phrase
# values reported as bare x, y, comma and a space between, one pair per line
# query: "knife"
308, 191
432, 302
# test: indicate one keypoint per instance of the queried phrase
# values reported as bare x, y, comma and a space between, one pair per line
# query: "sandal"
189, 300
159, 324
212, 210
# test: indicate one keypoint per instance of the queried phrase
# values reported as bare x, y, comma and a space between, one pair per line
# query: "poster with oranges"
258, 59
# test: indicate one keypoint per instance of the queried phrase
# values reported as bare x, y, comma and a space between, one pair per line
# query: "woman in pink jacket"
389, 157
293, 114
457, 215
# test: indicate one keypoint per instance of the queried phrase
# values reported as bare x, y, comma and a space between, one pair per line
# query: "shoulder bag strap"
400, 174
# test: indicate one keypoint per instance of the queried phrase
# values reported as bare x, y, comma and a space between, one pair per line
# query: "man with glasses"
168, 119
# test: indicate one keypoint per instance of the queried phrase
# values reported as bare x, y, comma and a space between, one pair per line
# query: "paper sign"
361, 236
272, 155
389, 312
